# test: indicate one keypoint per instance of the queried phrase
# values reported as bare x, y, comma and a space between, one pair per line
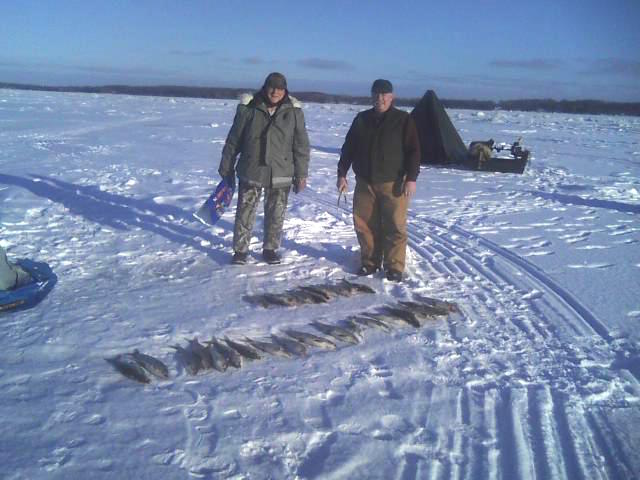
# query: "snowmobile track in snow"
526, 413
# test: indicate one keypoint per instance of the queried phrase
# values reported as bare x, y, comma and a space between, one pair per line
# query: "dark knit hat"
381, 86
275, 80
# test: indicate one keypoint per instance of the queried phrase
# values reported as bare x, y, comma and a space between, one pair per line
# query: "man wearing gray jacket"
270, 136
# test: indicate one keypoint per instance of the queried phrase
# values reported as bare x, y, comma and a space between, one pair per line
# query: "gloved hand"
299, 184
341, 184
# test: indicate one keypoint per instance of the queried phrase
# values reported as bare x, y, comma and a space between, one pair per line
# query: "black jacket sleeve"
411, 150
348, 150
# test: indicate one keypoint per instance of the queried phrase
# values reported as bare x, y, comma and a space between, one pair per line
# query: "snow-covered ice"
536, 377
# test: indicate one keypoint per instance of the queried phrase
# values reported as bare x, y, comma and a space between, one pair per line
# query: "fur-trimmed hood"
245, 98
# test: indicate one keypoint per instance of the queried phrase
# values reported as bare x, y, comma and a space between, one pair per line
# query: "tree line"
526, 105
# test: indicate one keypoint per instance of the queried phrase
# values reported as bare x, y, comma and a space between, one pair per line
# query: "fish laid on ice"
256, 300
233, 358
353, 288
218, 359
128, 367
242, 349
441, 306
371, 322
426, 310
192, 362
300, 297
268, 347
311, 339
403, 314
151, 364
203, 352
329, 291
341, 334
316, 294
294, 347
349, 324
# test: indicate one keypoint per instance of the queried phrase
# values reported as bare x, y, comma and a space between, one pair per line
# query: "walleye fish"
299, 297
311, 339
203, 352
401, 313
441, 305
328, 290
315, 294
218, 359
151, 364
336, 332
242, 349
192, 362
268, 347
294, 347
270, 299
233, 358
353, 288
349, 324
128, 367
281, 300
371, 322
426, 309
258, 300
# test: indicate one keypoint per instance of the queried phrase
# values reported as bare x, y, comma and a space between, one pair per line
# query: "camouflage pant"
275, 205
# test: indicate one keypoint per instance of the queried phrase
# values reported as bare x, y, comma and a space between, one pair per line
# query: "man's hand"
341, 184
299, 184
409, 188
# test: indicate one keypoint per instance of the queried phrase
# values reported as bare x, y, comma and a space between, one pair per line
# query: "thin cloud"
101, 69
616, 66
324, 64
538, 64
193, 53
253, 60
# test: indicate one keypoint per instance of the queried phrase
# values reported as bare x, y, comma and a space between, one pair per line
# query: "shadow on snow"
124, 213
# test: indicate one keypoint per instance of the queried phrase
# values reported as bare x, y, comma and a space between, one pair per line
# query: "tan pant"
380, 220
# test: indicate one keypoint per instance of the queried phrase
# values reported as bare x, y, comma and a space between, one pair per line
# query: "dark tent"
440, 142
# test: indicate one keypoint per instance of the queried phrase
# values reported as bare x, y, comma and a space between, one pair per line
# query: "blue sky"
493, 50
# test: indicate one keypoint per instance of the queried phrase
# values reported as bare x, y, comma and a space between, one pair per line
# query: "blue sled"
211, 210
31, 294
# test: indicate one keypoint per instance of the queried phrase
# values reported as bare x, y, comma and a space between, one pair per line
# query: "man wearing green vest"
383, 148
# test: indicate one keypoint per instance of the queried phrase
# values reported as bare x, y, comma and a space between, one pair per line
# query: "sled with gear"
509, 158
23, 284
441, 144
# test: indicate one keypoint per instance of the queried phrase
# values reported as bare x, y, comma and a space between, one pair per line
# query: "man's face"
275, 94
382, 101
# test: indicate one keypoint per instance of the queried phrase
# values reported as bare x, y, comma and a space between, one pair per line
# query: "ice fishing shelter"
440, 142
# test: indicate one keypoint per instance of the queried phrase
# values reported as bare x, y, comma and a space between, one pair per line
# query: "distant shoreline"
591, 107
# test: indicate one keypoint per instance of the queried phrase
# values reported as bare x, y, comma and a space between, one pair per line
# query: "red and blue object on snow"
211, 210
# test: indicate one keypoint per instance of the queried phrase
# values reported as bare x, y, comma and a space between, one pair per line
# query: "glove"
299, 184
341, 184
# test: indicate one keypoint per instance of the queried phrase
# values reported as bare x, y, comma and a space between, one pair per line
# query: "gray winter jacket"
273, 149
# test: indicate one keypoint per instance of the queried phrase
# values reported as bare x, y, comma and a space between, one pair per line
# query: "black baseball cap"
381, 86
